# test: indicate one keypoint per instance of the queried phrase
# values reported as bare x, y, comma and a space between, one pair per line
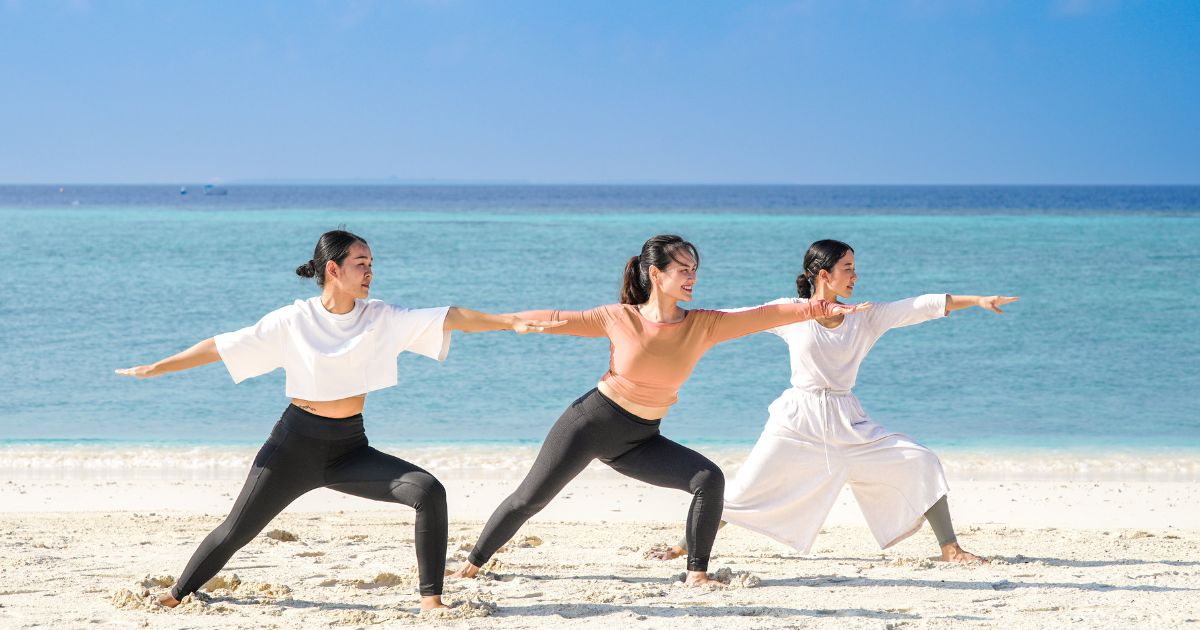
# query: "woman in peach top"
654, 346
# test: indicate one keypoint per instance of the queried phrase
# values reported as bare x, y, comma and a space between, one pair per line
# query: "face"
354, 275
842, 278
678, 279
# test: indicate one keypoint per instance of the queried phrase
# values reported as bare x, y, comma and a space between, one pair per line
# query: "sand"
92, 548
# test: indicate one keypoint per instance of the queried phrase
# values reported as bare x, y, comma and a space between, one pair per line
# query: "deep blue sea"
1102, 351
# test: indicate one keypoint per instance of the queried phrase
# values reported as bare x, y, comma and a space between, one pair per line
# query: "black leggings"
594, 427
305, 452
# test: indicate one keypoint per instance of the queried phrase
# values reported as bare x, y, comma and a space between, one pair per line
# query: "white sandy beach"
89, 535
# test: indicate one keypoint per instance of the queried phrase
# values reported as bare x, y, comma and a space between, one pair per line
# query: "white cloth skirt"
815, 442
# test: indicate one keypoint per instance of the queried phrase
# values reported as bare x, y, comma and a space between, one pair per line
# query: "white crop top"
328, 356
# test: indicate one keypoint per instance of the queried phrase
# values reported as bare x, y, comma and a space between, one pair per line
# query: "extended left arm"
988, 302
467, 320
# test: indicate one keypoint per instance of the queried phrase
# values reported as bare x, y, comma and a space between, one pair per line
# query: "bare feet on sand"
167, 600
432, 602
953, 553
659, 552
467, 570
699, 578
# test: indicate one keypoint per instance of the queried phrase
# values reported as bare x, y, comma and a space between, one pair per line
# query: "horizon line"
518, 183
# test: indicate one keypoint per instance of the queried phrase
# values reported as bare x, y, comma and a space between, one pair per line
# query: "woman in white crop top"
334, 348
818, 438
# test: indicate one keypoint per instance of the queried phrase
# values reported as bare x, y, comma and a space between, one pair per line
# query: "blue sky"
838, 92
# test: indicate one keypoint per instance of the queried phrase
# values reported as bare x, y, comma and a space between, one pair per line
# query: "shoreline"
92, 460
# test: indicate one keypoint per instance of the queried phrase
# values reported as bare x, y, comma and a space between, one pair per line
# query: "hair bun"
307, 270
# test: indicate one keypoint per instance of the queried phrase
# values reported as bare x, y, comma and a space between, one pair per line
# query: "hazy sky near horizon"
836, 92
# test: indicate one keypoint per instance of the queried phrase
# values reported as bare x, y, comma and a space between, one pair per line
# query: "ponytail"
633, 284
804, 286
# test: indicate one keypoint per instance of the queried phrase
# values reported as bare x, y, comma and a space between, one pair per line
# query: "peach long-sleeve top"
650, 361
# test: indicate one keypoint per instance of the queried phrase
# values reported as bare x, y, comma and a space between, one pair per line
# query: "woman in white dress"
818, 438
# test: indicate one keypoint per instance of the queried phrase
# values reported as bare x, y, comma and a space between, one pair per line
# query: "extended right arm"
589, 323
202, 353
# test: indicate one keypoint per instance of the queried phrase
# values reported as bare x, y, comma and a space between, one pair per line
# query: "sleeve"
254, 350
419, 330
728, 326
884, 317
590, 323
777, 330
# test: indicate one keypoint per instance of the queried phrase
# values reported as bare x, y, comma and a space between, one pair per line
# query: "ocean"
1101, 353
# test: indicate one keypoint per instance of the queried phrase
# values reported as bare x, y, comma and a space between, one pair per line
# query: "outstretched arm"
743, 322
202, 353
589, 323
990, 302
467, 320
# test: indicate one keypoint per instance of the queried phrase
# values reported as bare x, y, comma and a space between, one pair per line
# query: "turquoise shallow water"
1100, 353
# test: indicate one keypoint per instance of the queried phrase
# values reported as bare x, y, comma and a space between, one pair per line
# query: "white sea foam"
477, 461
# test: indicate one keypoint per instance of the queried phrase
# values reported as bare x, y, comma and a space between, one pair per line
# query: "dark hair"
820, 255
659, 251
333, 245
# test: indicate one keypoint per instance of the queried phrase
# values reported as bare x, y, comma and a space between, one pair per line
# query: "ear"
823, 275
654, 273
331, 269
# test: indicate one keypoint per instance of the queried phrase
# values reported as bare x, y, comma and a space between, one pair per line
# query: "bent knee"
710, 480
427, 491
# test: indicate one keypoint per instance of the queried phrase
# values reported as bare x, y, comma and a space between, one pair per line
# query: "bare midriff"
641, 411
336, 409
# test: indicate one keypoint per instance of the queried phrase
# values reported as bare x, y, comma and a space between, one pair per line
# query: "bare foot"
953, 553
662, 552
167, 600
432, 602
699, 578
466, 571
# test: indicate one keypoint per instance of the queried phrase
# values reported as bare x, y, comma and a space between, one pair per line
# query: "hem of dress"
801, 548
920, 520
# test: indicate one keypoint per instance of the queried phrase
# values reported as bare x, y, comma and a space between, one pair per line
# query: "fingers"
845, 309
538, 326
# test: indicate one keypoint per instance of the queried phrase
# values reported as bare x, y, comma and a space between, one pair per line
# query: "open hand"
523, 326
836, 308
994, 302
141, 371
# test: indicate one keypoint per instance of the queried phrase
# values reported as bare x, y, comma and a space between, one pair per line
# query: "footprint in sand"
466, 609
384, 579
281, 535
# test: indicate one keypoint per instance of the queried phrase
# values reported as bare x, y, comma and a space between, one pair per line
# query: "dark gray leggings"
594, 427
305, 452
938, 516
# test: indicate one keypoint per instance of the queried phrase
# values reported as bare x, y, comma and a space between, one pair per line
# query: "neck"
662, 309
823, 292
337, 302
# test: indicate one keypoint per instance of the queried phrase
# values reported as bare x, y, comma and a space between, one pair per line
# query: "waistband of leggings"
311, 425
621, 410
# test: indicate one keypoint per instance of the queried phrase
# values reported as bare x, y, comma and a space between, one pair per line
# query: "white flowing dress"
818, 438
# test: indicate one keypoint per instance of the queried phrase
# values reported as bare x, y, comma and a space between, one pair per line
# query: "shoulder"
287, 313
